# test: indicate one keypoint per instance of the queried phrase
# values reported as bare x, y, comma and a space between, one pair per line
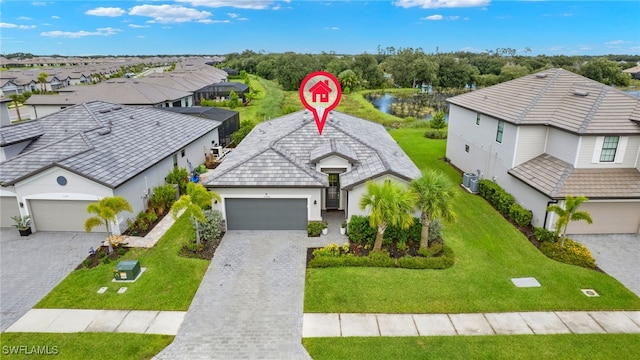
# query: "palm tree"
435, 194
42, 79
192, 202
389, 204
16, 98
106, 210
569, 213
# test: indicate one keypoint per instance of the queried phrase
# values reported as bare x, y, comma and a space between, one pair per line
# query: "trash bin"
127, 270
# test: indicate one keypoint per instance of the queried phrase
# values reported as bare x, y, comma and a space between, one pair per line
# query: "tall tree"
192, 202
105, 212
388, 204
569, 213
605, 71
16, 99
42, 80
435, 194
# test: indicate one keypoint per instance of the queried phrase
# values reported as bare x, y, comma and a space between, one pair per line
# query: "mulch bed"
102, 252
136, 232
207, 252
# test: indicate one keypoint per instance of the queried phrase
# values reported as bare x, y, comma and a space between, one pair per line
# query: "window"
175, 160
182, 153
478, 119
466, 148
500, 131
609, 147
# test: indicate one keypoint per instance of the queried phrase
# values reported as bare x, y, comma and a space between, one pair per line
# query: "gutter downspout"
546, 213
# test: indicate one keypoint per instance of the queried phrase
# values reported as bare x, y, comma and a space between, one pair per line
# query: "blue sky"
148, 27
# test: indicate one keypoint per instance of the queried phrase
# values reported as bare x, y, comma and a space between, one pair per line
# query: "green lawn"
82, 346
590, 347
169, 283
489, 252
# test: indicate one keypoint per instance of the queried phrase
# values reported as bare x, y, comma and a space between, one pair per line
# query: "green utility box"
127, 270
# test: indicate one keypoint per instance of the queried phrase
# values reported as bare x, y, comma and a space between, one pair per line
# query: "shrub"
162, 198
360, 232
520, 215
382, 259
212, 228
314, 228
544, 235
179, 176
332, 250
106, 260
438, 121
503, 201
572, 253
435, 134
245, 128
396, 234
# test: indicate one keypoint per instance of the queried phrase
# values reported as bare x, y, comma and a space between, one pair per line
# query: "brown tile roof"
557, 179
558, 98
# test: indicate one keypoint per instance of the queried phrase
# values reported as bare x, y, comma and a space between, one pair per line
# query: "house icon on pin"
321, 89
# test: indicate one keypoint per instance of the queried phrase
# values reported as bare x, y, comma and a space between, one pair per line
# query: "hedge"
382, 259
504, 202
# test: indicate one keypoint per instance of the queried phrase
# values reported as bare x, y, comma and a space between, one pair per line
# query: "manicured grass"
489, 251
169, 283
609, 346
82, 346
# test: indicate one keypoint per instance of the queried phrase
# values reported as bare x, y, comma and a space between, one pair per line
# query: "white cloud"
332, 28
165, 14
24, 18
106, 11
615, 42
244, 4
82, 33
437, 17
140, 36
14, 26
232, 15
242, 19
136, 26
434, 4
55, 17
39, 3
210, 21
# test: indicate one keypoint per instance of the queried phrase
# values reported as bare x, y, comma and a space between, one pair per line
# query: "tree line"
409, 67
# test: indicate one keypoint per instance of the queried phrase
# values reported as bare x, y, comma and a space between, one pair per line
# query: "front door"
333, 192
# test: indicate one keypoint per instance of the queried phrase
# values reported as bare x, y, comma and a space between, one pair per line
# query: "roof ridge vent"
541, 75
104, 130
580, 92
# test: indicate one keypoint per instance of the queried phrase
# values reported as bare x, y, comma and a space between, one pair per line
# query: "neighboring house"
552, 134
229, 121
221, 91
283, 174
119, 91
634, 72
231, 72
56, 165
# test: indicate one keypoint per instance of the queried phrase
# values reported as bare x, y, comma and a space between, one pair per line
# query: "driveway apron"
32, 266
250, 302
617, 255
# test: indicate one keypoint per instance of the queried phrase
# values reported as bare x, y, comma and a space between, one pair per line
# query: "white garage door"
60, 215
608, 218
8, 208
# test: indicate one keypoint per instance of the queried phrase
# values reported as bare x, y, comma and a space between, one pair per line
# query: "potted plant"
343, 227
325, 228
23, 223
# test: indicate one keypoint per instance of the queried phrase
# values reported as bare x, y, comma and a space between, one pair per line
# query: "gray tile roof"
279, 153
105, 142
18, 132
557, 98
557, 179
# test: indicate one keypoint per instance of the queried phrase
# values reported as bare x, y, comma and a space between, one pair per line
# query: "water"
418, 106
635, 93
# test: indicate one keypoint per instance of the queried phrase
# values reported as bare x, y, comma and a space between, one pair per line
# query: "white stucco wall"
356, 193
38, 111
311, 194
531, 142
562, 145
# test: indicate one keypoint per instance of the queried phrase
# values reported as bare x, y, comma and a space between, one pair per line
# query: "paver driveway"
250, 302
32, 266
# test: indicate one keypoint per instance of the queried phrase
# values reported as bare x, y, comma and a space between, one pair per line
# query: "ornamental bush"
572, 253
520, 215
212, 228
360, 232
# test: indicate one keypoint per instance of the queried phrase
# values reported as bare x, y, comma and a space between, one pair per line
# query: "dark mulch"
207, 252
100, 254
134, 231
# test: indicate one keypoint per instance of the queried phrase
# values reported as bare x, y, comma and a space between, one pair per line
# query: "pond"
416, 105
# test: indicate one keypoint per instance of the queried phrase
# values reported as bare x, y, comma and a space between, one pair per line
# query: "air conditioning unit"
465, 179
217, 151
473, 184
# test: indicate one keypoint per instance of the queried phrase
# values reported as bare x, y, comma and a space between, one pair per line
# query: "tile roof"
557, 98
18, 132
105, 142
557, 179
279, 153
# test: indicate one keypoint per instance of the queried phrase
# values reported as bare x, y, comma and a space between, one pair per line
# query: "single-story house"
283, 174
229, 121
56, 165
221, 91
551, 134
634, 72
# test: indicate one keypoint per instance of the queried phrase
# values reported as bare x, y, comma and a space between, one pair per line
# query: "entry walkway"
513, 323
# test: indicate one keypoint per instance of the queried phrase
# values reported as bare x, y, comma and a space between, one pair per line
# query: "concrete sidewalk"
75, 320
510, 323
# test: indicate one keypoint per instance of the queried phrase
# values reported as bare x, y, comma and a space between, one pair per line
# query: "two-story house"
552, 134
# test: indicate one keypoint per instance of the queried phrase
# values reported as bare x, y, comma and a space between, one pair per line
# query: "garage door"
608, 218
60, 215
8, 208
266, 214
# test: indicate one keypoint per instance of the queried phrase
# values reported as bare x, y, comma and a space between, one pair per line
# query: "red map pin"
320, 92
